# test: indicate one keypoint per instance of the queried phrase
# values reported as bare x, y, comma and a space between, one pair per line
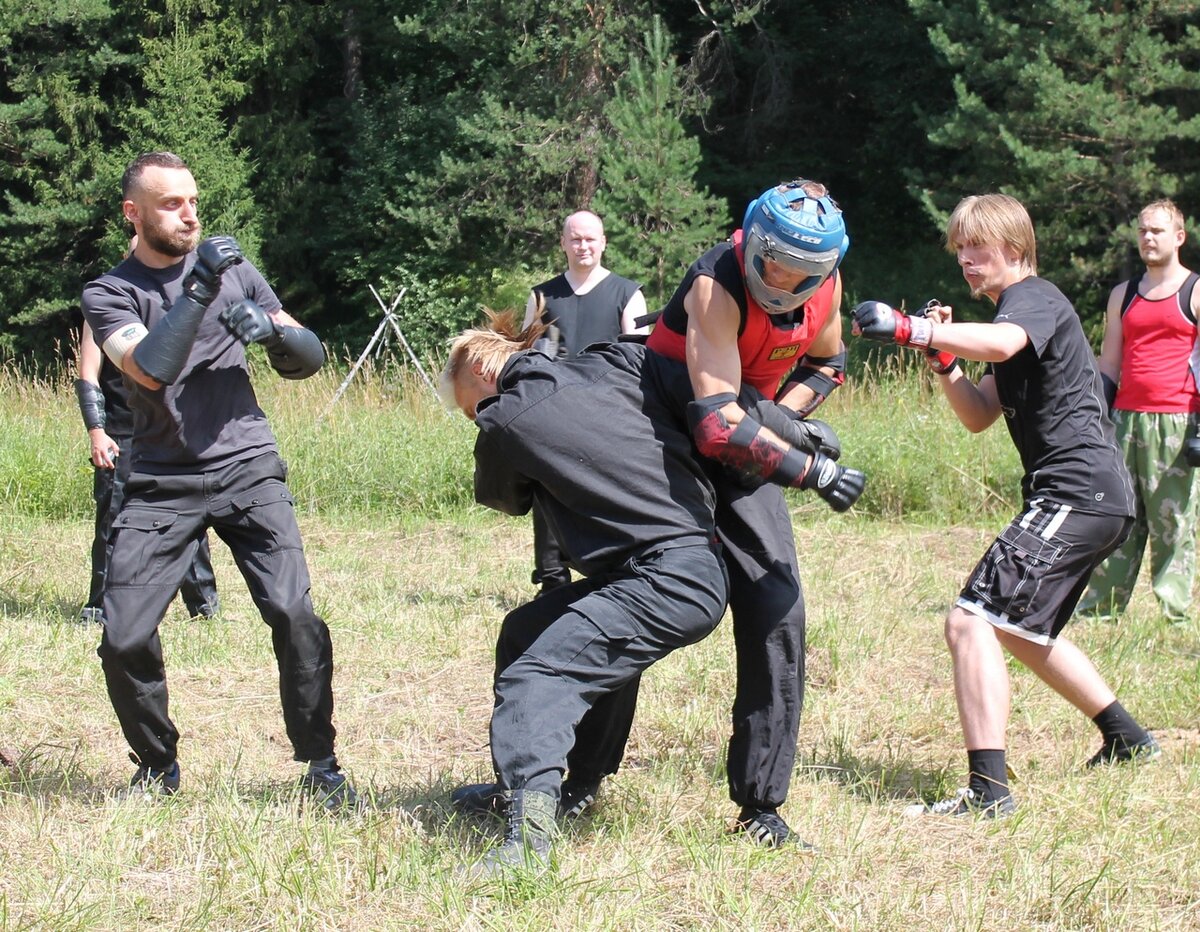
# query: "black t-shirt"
1053, 404
118, 416
595, 442
210, 416
584, 319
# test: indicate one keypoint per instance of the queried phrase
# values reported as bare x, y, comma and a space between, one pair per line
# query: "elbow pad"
163, 352
91, 403
742, 448
296, 354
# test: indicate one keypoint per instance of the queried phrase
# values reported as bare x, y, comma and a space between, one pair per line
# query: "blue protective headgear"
801, 232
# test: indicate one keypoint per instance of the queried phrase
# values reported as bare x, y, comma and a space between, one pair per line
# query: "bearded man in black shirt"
175, 317
1078, 498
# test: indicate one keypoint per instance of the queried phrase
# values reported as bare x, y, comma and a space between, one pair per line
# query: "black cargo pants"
199, 587
766, 603
249, 507
588, 647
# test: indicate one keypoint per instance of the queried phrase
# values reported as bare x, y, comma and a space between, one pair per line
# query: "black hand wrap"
808, 435
1191, 446
294, 352
1110, 392
163, 352
838, 485
91, 403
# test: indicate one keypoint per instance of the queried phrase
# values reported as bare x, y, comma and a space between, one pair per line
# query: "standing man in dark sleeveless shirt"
586, 304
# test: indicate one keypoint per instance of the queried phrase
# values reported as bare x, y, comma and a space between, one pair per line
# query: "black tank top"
590, 318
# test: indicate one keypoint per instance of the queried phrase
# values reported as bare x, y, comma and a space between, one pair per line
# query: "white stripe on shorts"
1001, 621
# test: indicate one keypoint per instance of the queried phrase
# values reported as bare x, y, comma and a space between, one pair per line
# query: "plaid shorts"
1032, 576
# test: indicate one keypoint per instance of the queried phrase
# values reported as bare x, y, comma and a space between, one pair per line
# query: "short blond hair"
1167, 206
998, 219
489, 346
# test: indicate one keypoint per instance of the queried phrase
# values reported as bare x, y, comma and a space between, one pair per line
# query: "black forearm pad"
1110, 391
297, 354
91, 403
163, 351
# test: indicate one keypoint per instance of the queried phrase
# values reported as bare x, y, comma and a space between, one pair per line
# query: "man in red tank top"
1149, 361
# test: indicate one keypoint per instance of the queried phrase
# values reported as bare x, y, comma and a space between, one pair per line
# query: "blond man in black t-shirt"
1078, 503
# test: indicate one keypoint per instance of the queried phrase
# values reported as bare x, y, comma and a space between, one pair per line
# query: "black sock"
1118, 726
989, 775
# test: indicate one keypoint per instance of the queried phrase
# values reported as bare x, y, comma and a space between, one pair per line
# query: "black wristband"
91, 403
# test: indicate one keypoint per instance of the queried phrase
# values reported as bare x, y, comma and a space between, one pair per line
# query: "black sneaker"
1118, 752
766, 827
480, 799
151, 782
91, 615
964, 803
577, 797
332, 790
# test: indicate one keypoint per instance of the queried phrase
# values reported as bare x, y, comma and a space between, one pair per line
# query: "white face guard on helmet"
802, 233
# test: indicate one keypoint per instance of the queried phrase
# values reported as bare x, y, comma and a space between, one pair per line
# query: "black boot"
531, 832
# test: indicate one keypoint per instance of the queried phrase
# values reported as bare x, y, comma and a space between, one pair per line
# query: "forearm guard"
742, 448
296, 354
808, 373
164, 350
91, 403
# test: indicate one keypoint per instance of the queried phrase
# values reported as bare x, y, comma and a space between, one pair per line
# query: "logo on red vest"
785, 352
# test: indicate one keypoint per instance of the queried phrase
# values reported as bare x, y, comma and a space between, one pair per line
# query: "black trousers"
767, 606
249, 507
199, 587
561, 655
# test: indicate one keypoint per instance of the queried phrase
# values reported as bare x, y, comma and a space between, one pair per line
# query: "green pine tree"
63, 71
656, 218
1083, 111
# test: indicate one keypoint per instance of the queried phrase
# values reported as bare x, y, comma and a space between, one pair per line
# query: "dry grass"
414, 613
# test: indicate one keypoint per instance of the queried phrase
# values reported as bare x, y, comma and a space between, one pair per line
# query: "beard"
178, 243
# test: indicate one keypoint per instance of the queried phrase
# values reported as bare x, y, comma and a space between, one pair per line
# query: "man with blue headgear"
756, 319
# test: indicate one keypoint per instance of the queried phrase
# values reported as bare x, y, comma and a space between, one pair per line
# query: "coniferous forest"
437, 145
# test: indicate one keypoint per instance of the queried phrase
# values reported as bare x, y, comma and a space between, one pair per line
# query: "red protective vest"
768, 350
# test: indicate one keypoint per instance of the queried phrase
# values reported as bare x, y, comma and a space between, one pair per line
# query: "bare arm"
284, 319
632, 311
90, 358
714, 365
977, 406
104, 449
1113, 344
983, 342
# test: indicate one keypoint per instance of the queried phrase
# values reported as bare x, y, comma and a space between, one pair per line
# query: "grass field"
414, 607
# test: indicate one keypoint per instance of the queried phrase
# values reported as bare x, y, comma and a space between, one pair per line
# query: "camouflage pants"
1165, 491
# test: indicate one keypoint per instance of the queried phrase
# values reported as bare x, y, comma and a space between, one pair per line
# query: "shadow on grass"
55, 609
876, 781
49, 771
